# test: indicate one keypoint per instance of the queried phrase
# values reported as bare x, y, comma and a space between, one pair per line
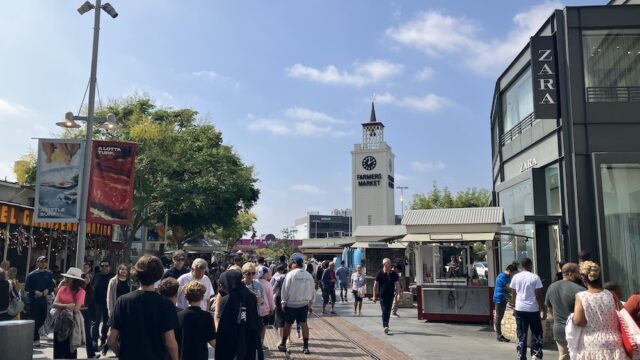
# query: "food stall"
446, 243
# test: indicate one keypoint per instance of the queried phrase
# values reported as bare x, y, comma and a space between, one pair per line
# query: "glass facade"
620, 189
517, 101
517, 201
552, 187
611, 63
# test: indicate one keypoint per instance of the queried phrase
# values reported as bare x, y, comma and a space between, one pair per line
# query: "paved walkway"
361, 337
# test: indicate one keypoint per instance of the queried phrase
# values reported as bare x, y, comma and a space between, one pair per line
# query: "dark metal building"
565, 125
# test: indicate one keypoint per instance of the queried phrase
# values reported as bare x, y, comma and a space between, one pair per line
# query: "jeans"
385, 305
343, 287
500, 309
524, 321
38, 313
101, 314
86, 314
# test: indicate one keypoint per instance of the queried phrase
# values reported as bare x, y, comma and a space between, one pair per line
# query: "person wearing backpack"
276, 282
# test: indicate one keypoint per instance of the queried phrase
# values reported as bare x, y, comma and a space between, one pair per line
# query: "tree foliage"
289, 233
241, 224
25, 168
183, 169
443, 199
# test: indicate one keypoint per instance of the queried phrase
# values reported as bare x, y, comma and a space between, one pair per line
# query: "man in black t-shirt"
100, 284
143, 322
197, 327
385, 288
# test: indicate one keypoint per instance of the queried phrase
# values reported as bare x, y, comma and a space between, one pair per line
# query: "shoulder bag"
16, 305
629, 330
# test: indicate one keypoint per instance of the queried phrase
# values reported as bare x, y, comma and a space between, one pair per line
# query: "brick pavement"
326, 343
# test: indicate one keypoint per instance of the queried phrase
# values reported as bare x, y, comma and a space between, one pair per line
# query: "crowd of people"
585, 319
176, 313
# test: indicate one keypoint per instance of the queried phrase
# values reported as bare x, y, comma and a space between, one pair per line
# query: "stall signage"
378, 245
369, 179
16, 215
544, 76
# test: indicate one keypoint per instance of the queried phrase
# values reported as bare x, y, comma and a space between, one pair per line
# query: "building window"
516, 202
612, 65
369, 220
517, 101
552, 187
621, 202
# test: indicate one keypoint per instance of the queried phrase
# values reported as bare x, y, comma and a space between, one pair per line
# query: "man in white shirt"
526, 289
198, 268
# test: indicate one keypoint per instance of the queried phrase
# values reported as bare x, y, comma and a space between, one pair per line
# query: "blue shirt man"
343, 276
500, 297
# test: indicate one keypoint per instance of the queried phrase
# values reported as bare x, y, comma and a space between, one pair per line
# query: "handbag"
362, 291
15, 307
629, 330
573, 336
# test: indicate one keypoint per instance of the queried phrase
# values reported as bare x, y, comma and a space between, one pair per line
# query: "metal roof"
380, 230
461, 216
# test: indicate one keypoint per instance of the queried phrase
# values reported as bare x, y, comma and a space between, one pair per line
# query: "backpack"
277, 291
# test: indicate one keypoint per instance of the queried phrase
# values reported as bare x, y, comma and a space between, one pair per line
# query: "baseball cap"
41, 258
299, 261
262, 272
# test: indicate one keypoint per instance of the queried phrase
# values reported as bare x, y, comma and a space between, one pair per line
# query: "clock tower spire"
372, 176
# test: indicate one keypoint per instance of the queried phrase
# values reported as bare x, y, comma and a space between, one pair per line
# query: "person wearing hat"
268, 307
70, 296
298, 293
38, 285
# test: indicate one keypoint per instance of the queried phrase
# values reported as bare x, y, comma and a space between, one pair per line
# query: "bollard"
17, 335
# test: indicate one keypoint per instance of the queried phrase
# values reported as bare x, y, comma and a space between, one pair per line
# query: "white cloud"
12, 109
400, 177
307, 188
425, 74
205, 74
429, 102
427, 166
438, 34
299, 121
309, 115
362, 74
271, 125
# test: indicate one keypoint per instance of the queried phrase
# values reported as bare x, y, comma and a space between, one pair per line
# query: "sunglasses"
104, 265
250, 273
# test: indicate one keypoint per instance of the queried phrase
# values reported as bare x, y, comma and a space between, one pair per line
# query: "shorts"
328, 293
292, 315
266, 320
355, 295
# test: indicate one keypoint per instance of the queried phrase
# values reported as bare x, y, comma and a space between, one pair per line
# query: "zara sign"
544, 76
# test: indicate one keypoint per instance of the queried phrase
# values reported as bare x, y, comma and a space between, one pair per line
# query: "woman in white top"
358, 282
595, 312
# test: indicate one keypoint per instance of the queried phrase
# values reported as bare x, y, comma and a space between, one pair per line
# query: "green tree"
183, 169
241, 224
289, 233
25, 168
443, 199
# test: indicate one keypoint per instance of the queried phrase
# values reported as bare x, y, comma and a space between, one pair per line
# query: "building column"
419, 265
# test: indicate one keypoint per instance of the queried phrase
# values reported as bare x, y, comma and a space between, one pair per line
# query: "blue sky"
287, 82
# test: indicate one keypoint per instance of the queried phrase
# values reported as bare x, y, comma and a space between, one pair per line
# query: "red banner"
111, 184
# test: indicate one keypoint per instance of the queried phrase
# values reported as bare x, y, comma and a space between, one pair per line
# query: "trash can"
16, 339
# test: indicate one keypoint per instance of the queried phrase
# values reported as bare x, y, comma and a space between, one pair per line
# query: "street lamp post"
82, 220
402, 188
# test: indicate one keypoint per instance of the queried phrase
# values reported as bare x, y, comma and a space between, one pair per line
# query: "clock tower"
372, 181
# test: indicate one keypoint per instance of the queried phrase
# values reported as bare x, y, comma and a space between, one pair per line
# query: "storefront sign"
369, 179
544, 76
111, 185
58, 180
23, 216
528, 164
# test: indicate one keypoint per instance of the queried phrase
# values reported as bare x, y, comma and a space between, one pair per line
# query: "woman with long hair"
238, 329
70, 296
118, 285
595, 312
357, 283
14, 284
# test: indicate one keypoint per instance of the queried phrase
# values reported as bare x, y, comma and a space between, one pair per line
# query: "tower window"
368, 219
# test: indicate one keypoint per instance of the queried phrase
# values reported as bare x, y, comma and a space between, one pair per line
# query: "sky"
288, 83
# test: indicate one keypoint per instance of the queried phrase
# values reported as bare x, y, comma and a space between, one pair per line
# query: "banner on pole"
58, 180
111, 184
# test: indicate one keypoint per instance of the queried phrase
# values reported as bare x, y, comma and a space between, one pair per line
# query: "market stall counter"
454, 262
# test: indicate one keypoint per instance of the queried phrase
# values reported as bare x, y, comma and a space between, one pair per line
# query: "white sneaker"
386, 330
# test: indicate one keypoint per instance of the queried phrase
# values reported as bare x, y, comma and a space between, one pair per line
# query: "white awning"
378, 245
448, 237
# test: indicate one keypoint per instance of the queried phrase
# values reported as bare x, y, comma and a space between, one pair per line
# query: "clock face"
369, 163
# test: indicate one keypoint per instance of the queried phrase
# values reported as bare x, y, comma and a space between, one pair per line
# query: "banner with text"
544, 77
111, 185
58, 180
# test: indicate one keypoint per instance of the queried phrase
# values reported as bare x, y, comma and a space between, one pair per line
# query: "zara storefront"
565, 126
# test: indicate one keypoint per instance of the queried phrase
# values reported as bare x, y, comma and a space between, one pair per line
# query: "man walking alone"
100, 285
386, 288
38, 285
526, 289
343, 277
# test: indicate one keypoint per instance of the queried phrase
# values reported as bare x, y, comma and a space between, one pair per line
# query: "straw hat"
73, 273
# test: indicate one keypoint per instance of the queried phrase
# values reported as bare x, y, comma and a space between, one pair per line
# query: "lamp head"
110, 123
87, 6
108, 8
69, 122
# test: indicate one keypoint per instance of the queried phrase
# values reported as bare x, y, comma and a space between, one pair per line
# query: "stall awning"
377, 245
448, 237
